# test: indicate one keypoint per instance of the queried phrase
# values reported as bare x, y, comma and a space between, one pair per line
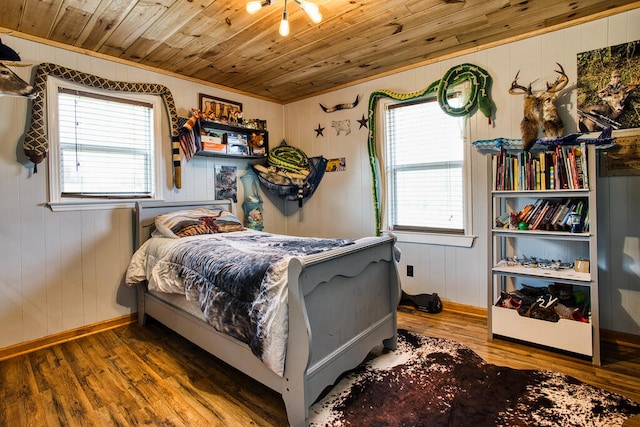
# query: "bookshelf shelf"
537, 234
545, 206
541, 193
566, 276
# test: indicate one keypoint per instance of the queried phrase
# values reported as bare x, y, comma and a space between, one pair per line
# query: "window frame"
56, 201
429, 236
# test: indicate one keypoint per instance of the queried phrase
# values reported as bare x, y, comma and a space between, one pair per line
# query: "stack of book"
562, 168
555, 214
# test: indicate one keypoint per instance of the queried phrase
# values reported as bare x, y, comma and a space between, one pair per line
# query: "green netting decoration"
290, 174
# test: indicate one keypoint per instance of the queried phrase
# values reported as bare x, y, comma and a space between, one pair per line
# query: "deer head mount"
540, 109
10, 83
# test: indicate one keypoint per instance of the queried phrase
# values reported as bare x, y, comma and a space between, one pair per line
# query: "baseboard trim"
468, 310
620, 338
62, 337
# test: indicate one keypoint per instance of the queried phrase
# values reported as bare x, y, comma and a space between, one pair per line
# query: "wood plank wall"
63, 270
60, 271
343, 204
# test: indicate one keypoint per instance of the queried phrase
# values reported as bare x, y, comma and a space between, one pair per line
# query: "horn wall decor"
36, 142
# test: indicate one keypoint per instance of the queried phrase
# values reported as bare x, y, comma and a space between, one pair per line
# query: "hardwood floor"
133, 375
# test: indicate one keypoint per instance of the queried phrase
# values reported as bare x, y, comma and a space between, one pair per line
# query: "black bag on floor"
430, 303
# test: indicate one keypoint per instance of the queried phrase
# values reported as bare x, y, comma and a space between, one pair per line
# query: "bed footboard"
341, 306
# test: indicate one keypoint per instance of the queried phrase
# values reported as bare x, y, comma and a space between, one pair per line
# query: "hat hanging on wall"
8, 54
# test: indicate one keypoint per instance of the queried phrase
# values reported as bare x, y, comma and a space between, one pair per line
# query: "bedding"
238, 278
193, 222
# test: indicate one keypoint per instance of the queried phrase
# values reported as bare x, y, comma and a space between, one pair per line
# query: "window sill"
91, 206
461, 241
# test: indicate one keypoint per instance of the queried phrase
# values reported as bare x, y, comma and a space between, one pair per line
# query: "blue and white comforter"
238, 279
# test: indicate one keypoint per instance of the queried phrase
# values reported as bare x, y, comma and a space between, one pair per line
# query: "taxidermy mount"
540, 109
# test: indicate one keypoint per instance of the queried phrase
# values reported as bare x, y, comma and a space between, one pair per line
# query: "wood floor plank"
134, 375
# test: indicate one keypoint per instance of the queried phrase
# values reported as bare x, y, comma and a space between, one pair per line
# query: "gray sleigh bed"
341, 304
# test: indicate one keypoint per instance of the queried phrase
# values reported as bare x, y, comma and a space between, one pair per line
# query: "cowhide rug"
437, 382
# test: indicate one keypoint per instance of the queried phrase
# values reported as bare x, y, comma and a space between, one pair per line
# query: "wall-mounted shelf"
220, 139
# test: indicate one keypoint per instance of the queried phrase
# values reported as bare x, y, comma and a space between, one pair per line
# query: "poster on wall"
608, 92
336, 165
226, 182
609, 97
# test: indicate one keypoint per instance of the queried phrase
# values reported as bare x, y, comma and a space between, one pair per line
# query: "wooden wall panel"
64, 270
61, 270
460, 274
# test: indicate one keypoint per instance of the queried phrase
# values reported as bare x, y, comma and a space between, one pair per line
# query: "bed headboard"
146, 212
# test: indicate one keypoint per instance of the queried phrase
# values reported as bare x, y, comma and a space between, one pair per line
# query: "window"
425, 167
103, 144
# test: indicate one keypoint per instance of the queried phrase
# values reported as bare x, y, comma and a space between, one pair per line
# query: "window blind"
425, 167
106, 146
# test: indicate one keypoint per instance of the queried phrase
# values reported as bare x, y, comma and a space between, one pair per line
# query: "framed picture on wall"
219, 109
608, 92
226, 183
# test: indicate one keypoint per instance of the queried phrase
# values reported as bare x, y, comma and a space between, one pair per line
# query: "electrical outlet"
410, 270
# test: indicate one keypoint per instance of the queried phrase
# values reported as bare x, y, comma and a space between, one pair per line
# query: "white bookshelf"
567, 335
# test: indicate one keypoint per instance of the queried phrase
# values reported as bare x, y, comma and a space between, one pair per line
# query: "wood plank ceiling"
218, 42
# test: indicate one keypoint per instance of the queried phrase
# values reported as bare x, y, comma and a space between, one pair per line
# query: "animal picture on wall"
226, 182
341, 126
608, 92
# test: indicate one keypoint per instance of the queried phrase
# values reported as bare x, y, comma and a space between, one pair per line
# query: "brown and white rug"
436, 382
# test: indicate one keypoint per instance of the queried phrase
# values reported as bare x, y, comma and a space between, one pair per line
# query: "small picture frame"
220, 110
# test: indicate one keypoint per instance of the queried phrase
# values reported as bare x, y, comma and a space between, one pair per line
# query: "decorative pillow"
192, 222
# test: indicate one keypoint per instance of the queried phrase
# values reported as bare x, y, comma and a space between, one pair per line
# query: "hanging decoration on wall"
479, 99
336, 165
342, 126
290, 174
36, 144
339, 107
363, 122
226, 184
252, 205
8, 54
609, 88
319, 130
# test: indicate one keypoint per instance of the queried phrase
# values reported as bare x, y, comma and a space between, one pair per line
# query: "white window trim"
57, 203
465, 240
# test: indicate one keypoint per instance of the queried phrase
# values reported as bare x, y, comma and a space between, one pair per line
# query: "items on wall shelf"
290, 174
204, 137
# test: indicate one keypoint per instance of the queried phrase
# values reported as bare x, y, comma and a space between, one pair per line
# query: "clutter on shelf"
550, 303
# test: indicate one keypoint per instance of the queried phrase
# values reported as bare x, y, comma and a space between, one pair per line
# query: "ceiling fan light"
311, 9
284, 24
253, 7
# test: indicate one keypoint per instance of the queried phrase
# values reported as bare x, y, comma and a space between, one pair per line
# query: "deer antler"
632, 86
560, 82
515, 85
